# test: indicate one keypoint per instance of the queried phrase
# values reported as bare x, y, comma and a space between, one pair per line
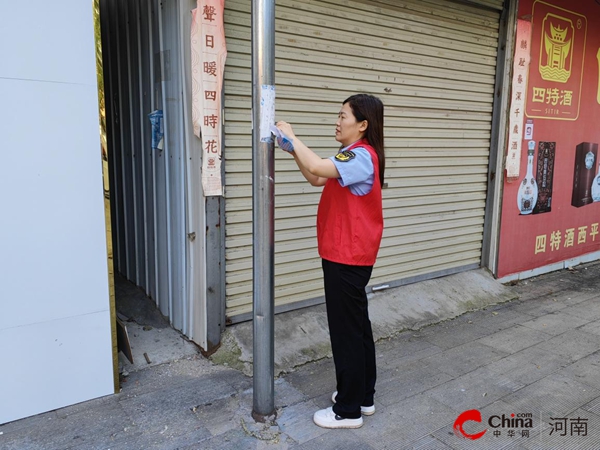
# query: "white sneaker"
365, 410
326, 418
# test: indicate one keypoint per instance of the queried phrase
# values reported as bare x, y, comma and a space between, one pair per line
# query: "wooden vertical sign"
208, 64
517, 102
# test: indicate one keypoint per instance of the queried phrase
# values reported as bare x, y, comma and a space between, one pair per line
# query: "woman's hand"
286, 129
285, 140
315, 169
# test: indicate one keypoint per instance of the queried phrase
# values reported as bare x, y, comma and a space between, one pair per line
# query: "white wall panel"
47, 41
52, 247
54, 364
55, 322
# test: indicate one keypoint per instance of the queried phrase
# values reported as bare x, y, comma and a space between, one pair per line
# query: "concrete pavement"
302, 336
536, 356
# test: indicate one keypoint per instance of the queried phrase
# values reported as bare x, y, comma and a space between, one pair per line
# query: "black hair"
370, 108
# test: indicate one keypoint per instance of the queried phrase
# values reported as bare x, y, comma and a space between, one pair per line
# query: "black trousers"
351, 336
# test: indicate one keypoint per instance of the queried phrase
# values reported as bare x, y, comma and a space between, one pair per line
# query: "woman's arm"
315, 169
312, 179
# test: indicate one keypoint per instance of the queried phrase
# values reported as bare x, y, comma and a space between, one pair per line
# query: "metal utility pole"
263, 206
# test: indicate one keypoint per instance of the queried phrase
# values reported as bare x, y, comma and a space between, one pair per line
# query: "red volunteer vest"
349, 227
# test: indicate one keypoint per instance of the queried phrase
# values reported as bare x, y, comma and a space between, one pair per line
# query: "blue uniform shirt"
357, 173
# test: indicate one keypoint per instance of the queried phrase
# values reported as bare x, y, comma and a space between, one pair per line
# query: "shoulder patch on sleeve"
345, 156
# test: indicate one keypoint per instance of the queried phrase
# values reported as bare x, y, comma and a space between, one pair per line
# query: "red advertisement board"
551, 210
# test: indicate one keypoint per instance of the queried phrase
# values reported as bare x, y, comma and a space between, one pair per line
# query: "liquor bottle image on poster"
596, 187
544, 175
528, 189
586, 156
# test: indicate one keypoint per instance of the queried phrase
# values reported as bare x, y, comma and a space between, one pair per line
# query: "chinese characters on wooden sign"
208, 64
517, 101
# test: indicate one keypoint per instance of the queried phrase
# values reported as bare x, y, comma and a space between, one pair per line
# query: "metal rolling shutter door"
432, 62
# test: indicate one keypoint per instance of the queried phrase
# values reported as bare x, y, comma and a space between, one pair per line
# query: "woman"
349, 229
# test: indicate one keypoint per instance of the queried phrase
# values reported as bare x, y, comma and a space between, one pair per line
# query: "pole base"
264, 418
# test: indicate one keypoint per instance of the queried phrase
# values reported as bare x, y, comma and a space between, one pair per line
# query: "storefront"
551, 200
434, 65
453, 126
438, 66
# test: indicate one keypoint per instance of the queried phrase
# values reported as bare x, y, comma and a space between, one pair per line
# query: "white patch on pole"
267, 111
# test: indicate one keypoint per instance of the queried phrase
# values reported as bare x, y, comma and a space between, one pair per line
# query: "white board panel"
54, 249
54, 364
55, 323
48, 41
